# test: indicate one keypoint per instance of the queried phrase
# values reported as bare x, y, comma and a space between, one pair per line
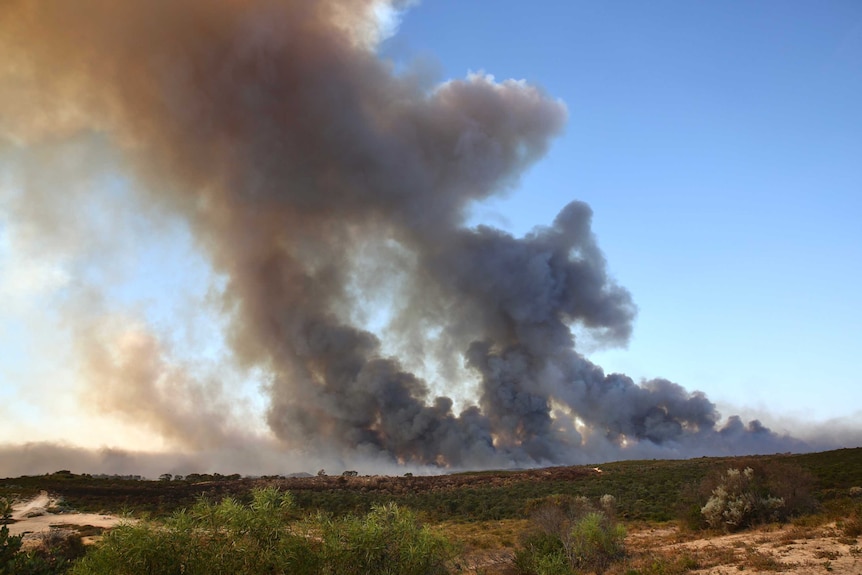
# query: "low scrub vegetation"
347, 523
263, 537
54, 553
388, 541
851, 525
735, 503
569, 535
742, 496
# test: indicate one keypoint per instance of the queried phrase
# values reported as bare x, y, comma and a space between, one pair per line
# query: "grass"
478, 536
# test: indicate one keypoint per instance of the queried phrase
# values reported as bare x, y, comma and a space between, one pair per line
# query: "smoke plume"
320, 183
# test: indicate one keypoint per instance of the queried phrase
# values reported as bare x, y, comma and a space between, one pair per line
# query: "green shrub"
230, 538
595, 542
542, 554
224, 538
53, 555
387, 541
9, 547
570, 534
5, 510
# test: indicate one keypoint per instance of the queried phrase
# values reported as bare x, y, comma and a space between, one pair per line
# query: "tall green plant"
387, 541
227, 538
570, 534
230, 538
5, 510
9, 547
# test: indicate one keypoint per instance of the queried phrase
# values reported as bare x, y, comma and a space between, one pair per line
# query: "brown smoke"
310, 172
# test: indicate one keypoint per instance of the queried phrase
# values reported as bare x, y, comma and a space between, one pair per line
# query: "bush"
851, 525
230, 538
208, 539
387, 541
737, 503
54, 554
569, 534
9, 547
595, 542
542, 554
5, 510
756, 492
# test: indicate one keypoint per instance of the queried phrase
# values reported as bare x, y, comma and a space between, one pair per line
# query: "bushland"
265, 537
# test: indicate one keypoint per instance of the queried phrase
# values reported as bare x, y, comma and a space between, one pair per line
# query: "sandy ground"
33, 517
780, 549
821, 550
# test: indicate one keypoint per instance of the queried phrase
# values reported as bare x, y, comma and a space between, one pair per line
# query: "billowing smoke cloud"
319, 183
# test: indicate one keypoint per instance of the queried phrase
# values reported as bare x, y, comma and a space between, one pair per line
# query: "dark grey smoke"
308, 170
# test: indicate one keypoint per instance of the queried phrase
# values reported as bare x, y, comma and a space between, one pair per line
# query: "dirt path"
33, 516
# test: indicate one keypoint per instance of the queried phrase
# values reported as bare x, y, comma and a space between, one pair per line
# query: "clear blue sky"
720, 147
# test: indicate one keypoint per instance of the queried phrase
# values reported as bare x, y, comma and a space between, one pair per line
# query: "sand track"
33, 516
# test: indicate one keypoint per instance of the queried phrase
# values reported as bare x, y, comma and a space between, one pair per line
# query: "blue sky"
720, 147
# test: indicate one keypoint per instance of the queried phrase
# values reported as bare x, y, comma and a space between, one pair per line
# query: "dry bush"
674, 562
753, 492
794, 534
765, 562
851, 526
737, 502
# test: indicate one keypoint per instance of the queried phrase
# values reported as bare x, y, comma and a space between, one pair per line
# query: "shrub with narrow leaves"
9, 547
569, 535
209, 538
231, 538
387, 541
736, 503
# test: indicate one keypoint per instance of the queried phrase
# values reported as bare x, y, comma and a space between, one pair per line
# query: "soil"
820, 550
778, 548
40, 514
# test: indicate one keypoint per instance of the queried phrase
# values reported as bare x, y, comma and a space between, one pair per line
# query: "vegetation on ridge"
544, 521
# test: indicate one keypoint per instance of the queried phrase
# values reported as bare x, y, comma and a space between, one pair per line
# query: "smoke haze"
321, 186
